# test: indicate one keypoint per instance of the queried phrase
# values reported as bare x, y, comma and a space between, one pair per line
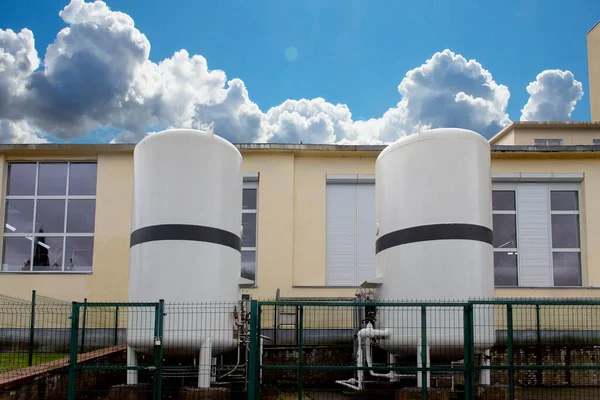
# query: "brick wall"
548, 355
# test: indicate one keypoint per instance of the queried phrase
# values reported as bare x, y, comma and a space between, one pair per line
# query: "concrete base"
140, 391
196, 393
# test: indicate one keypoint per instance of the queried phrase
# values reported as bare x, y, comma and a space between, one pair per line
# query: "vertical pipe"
83, 325
132, 374
511, 371
31, 330
204, 364
116, 325
300, 342
424, 364
253, 352
73, 351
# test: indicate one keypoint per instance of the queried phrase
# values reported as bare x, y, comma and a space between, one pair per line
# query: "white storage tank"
434, 240
185, 241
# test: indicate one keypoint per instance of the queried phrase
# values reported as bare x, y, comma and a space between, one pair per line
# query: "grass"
12, 361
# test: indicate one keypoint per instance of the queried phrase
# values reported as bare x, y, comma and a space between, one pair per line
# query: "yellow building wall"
109, 277
291, 247
507, 139
593, 50
275, 215
570, 137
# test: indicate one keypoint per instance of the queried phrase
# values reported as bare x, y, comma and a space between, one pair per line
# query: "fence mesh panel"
484, 349
34, 340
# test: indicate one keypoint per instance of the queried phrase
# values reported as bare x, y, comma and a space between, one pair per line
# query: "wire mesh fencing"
159, 350
484, 349
34, 340
544, 349
498, 349
33, 333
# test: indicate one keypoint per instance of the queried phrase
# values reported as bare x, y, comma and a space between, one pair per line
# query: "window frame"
508, 187
566, 187
35, 198
550, 187
250, 181
548, 142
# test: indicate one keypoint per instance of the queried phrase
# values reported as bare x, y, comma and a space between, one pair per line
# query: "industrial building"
443, 264
308, 214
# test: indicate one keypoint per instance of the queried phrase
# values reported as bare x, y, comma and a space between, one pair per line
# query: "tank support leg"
262, 341
204, 362
132, 375
485, 374
394, 377
420, 364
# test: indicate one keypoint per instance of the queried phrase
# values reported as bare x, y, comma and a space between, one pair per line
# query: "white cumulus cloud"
97, 74
552, 96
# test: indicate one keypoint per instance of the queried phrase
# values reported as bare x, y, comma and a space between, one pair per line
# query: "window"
536, 234
249, 224
49, 217
596, 142
350, 230
548, 142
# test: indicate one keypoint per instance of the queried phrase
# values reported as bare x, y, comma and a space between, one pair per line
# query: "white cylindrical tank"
434, 240
185, 240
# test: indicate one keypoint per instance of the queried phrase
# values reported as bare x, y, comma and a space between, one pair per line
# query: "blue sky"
352, 52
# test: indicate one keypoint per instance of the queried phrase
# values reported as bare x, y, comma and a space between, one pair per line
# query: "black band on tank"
434, 232
195, 233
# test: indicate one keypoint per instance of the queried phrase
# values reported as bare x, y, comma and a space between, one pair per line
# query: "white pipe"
260, 360
204, 365
485, 374
369, 350
238, 357
420, 364
132, 375
367, 333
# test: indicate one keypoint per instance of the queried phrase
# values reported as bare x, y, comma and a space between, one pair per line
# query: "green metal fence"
32, 332
504, 349
484, 349
96, 350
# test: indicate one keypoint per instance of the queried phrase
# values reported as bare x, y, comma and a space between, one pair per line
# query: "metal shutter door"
341, 234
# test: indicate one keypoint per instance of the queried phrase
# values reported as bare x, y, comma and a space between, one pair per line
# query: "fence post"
300, 328
31, 330
468, 373
511, 371
83, 325
158, 349
538, 351
253, 352
424, 372
116, 325
73, 351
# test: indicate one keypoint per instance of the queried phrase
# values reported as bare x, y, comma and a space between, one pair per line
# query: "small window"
548, 142
596, 142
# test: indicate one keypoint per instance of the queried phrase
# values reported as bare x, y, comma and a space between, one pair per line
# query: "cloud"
97, 75
446, 91
552, 96
18, 60
18, 132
